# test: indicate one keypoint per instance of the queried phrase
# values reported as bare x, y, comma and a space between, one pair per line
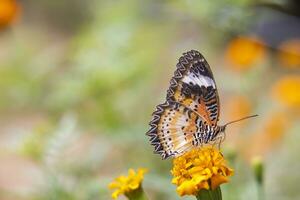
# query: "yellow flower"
243, 52
201, 168
289, 53
8, 12
127, 184
286, 91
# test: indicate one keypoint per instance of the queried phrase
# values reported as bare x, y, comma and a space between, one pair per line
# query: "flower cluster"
127, 184
203, 168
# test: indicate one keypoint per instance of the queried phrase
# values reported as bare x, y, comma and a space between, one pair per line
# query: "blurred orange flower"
289, 53
242, 52
9, 10
287, 91
275, 127
273, 130
238, 107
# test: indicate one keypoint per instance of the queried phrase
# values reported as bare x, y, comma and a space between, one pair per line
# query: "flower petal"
127, 184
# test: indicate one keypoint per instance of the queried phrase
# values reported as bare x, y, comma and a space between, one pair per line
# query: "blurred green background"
80, 79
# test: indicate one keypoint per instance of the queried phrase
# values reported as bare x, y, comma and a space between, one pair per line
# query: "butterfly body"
188, 118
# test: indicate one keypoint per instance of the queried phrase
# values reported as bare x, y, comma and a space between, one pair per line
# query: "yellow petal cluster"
202, 168
126, 184
286, 91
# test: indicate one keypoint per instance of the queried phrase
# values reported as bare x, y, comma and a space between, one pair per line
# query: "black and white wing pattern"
193, 85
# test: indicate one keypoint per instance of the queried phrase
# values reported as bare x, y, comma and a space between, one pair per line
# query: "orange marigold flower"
286, 91
127, 184
276, 126
289, 53
201, 168
243, 52
8, 12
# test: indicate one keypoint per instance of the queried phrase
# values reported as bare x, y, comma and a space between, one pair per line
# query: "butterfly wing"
174, 129
193, 86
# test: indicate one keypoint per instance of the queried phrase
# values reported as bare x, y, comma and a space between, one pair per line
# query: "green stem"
137, 194
210, 194
260, 191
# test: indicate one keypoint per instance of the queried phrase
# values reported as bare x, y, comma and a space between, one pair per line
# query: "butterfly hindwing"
174, 129
193, 86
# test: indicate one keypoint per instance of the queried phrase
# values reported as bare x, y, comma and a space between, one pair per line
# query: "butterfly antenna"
240, 119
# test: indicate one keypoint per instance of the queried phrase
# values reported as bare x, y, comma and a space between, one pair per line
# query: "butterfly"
188, 118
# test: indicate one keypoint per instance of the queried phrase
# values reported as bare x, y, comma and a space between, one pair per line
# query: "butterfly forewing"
193, 85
